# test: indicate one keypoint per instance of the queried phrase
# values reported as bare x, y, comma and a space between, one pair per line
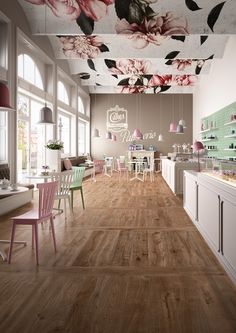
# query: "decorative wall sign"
127, 136
117, 119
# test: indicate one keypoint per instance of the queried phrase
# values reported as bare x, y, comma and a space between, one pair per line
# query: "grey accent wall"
149, 113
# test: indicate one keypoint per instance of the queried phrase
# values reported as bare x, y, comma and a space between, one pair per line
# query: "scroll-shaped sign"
117, 119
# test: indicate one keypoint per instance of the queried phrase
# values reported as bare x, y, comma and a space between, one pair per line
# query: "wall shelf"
203, 140
225, 137
233, 122
209, 129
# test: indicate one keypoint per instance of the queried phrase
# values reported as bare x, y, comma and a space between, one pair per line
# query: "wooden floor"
132, 262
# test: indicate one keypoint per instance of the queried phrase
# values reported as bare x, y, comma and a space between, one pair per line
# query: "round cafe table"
137, 168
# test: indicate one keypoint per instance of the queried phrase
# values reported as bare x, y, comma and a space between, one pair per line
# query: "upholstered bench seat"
77, 161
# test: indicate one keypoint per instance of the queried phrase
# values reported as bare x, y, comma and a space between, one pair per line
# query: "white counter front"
172, 172
211, 204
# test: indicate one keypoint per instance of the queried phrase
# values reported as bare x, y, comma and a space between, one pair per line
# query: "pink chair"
35, 216
121, 168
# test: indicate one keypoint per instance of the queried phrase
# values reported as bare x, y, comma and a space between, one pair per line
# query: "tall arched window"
62, 93
28, 70
81, 105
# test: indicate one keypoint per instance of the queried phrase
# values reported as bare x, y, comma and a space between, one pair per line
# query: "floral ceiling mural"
150, 46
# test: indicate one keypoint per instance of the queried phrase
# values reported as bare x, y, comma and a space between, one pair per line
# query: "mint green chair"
78, 174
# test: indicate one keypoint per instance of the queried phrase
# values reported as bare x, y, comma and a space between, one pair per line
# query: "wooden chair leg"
33, 236
12, 240
59, 203
36, 243
82, 197
53, 234
65, 208
69, 201
72, 199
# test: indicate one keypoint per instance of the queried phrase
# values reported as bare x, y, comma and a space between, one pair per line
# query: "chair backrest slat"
78, 175
64, 180
47, 193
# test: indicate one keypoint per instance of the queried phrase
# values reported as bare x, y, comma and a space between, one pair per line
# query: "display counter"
211, 204
172, 172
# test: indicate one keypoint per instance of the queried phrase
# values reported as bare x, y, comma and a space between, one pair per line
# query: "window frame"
35, 71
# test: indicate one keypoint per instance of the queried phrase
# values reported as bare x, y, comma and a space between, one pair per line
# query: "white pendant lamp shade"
137, 134
113, 137
182, 123
46, 116
160, 138
173, 127
4, 98
108, 136
179, 129
96, 133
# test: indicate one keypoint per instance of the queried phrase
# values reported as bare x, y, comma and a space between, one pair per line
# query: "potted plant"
53, 154
55, 145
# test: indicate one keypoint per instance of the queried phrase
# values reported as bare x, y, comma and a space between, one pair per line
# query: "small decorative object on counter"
4, 184
45, 171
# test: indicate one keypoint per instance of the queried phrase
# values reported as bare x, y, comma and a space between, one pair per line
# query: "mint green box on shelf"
218, 133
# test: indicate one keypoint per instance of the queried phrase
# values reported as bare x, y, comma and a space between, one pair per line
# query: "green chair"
78, 174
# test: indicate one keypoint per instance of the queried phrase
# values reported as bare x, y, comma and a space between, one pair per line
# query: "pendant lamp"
137, 134
108, 135
4, 98
173, 126
96, 133
182, 121
46, 116
113, 137
160, 137
179, 129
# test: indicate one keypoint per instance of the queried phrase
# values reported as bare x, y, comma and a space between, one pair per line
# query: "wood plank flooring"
131, 262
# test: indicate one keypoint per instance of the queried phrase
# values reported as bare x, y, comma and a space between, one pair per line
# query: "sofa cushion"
67, 164
75, 161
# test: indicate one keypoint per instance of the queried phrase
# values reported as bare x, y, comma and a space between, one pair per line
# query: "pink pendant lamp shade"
137, 134
4, 98
173, 127
197, 146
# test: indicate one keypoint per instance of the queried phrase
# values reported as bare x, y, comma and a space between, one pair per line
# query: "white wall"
218, 89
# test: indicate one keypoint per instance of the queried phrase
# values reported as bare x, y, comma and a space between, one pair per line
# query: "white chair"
108, 166
64, 180
121, 168
149, 169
